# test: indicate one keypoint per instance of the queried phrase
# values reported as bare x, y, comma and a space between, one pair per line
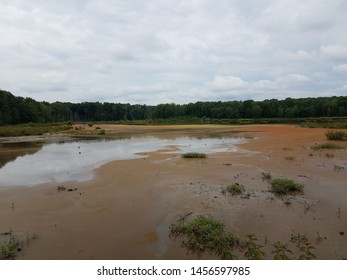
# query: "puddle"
75, 161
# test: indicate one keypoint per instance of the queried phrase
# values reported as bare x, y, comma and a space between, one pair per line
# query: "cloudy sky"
163, 51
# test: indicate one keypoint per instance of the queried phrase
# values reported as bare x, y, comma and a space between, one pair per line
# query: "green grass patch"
193, 155
285, 186
326, 146
100, 132
10, 247
235, 189
205, 234
32, 129
336, 135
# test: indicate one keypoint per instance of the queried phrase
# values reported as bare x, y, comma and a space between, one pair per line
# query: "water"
75, 161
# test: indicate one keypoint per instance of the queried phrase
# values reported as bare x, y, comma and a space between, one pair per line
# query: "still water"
75, 161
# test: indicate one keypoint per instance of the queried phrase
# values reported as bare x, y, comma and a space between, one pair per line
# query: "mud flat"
125, 210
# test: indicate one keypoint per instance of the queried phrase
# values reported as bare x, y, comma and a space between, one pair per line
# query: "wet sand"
126, 210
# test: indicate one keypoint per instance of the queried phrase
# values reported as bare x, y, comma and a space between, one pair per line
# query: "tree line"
16, 110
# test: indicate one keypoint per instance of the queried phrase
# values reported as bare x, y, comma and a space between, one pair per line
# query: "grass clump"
326, 146
285, 186
10, 248
32, 129
193, 155
290, 158
101, 132
13, 245
205, 234
336, 135
235, 189
266, 176
253, 250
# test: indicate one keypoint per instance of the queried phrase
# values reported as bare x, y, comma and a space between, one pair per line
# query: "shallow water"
75, 161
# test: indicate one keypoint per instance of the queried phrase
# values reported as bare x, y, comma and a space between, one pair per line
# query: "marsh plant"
287, 201
235, 189
285, 186
281, 251
253, 250
290, 158
10, 248
205, 234
101, 132
326, 146
305, 248
266, 176
336, 135
193, 155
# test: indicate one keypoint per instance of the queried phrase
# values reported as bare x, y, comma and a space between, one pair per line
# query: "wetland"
115, 197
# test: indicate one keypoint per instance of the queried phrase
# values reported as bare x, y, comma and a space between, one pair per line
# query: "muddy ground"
126, 210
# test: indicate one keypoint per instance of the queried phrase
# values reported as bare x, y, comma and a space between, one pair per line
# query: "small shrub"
281, 251
287, 201
205, 234
336, 135
290, 158
253, 250
10, 248
235, 189
101, 132
326, 146
302, 243
194, 155
90, 124
285, 186
266, 176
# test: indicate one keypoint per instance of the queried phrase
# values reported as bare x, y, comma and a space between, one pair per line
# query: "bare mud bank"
126, 210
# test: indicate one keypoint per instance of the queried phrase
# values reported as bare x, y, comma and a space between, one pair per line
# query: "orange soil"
126, 210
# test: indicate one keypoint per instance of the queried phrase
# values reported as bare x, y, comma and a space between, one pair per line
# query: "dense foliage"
15, 110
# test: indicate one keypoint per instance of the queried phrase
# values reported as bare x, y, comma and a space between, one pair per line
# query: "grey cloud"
335, 52
172, 51
341, 68
45, 89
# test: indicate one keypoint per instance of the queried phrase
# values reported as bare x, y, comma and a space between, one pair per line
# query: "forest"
19, 110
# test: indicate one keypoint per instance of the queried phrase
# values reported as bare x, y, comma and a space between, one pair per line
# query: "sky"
173, 51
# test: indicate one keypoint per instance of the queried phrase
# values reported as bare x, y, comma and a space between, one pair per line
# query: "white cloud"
227, 83
299, 56
292, 78
264, 85
336, 51
340, 68
181, 51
